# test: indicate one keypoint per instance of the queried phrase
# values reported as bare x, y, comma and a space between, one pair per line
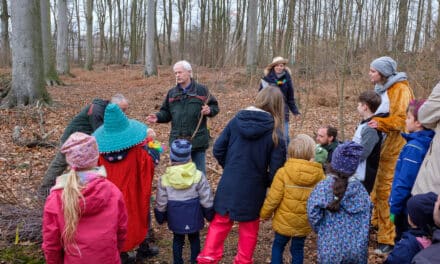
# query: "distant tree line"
320, 37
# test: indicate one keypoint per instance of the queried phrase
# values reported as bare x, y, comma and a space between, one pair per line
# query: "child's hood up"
181, 176
254, 122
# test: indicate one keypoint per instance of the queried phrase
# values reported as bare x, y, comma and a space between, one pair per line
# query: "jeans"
296, 248
286, 132
179, 241
198, 157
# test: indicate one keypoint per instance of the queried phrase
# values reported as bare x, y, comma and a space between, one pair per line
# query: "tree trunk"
251, 51
50, 72
109, 55
133, 33
417, 31
5, 50
182, 5
150, 55
62, 39
78, 38
401, 28
89, 41
27, 56
100, 12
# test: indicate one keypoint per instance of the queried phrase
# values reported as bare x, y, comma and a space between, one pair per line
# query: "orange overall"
399, 95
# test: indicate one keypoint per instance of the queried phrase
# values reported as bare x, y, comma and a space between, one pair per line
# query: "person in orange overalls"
393, 87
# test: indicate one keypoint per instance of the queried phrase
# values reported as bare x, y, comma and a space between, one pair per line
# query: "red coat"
101, 230
133, 175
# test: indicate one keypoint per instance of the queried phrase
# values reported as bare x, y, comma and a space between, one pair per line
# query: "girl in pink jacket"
84, 219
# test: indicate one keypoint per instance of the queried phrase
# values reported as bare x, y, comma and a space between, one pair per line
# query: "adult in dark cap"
339, 210
121, 144
395, 93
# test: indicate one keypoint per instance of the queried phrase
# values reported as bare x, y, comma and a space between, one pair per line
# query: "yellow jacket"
288, 196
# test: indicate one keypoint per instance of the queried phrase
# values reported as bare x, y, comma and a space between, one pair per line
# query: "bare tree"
101, 10
251, 51
27, 56
50, 72
401, 28
89, 40
5, 56
181, 6
133, 32
78, 33
150, 56
62, 39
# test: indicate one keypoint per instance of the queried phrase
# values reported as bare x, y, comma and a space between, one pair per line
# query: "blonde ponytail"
71, 208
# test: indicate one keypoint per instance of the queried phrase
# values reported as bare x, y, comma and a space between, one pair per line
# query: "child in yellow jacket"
287, 198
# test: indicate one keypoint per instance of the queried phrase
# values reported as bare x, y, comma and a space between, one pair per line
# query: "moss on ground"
29, 254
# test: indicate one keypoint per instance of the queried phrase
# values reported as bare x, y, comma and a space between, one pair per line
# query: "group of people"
338, 189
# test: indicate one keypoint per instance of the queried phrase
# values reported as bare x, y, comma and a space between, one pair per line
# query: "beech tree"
62, 38
150, 55
50, 72
27, 56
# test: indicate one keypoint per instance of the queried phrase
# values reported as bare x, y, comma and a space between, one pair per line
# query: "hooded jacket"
407, 167
250, 159
183, 197
428, 179
343, 235
288, 196
101, 229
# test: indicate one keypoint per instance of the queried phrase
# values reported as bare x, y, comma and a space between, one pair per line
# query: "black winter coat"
250, 159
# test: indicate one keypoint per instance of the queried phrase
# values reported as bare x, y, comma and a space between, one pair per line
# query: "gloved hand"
392, 216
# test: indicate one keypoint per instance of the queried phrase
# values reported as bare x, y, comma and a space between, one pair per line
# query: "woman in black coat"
250, 149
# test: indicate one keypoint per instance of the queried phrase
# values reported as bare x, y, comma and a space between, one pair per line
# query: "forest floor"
22, 168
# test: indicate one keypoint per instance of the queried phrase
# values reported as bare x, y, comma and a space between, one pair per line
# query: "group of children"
85, 216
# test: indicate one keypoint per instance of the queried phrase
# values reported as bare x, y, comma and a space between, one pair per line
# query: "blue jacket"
286, 87
408, 164
406, 248
246, 152
343, 235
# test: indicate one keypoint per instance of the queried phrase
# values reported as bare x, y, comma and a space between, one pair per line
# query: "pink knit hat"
81, 151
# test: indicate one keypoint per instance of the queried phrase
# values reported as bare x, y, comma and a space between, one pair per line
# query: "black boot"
127, 259
146, 250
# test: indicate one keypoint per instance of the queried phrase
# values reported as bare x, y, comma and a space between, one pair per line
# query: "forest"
57, 55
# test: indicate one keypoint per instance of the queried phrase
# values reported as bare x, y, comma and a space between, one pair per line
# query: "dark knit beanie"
420, 208
180, 150
346, 157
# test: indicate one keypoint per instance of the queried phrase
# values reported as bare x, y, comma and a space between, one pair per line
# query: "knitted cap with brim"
118, 132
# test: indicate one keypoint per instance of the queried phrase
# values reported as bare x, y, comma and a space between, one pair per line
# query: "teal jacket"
183, 109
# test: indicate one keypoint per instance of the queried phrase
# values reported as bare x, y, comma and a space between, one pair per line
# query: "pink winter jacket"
101, 230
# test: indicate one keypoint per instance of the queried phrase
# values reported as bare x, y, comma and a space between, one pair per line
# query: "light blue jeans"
286, 132
199, 157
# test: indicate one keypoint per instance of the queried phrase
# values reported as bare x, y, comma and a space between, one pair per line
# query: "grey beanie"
385, 65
